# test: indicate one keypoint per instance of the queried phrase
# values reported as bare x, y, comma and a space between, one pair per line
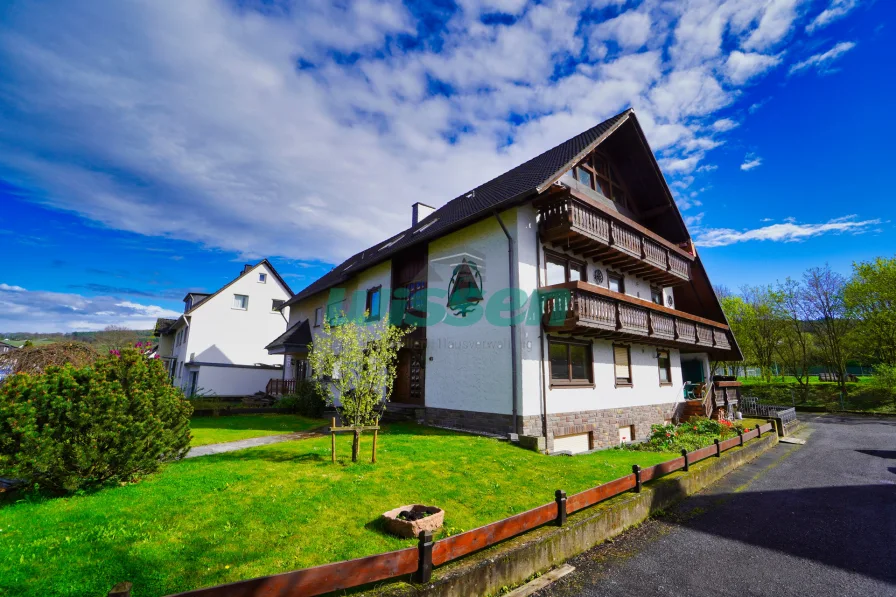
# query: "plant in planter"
354, 361
408, 521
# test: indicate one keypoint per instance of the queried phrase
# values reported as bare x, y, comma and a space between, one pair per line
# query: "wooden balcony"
589, 310
570, 220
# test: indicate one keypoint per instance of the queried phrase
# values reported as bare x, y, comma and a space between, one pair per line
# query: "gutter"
511, 261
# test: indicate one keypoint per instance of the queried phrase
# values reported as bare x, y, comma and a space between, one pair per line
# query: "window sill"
572, 384
665, 383
621, 384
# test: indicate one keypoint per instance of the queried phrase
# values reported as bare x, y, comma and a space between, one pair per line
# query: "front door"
692, 371
408, 386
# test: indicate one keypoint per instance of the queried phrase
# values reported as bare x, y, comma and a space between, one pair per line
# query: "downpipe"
511, 262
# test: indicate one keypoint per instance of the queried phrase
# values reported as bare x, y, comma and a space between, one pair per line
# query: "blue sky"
151, 148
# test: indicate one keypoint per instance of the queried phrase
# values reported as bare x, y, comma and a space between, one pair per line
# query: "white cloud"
40, 311
694, 221
724, 124
778, 17
631, 30
786, 232
741, 67
751, 162
837, 10
822, 61
288, 132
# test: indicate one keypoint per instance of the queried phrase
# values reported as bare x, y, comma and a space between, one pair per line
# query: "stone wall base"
602, 425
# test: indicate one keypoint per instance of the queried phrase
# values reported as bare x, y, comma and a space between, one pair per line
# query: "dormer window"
262, 278
188, 304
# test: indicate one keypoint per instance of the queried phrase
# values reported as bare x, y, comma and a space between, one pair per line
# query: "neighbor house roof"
502, 192
162, 326
246, 270
296, 338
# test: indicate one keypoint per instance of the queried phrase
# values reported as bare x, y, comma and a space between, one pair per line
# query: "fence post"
560, 497
718, 448
687, 463
758, 430
637, 470
122, 589
424, 557
740, 434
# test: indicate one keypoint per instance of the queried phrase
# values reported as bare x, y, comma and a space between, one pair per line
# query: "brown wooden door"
408, 386
401, 389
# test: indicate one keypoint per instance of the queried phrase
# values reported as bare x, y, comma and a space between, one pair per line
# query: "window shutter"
620, 356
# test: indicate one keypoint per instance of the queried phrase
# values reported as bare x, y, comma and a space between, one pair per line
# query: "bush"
697, 433
309, 400
73, 428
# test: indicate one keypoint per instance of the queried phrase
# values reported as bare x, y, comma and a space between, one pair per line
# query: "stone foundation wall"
603, 425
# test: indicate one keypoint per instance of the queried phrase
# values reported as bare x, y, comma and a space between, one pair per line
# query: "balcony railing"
596, 231
592, 310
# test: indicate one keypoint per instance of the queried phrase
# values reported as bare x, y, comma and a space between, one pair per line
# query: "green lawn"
275, 508
214, 430
859, 396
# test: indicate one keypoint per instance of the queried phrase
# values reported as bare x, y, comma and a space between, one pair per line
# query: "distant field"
789, 379
38, 342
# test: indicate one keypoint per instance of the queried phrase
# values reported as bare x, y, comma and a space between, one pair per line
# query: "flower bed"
692, 435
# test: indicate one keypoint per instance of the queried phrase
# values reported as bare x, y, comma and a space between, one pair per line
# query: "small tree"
796, 348
830, 319
871, 296
355, 362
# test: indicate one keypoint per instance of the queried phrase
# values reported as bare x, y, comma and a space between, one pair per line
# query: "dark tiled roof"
163, 325
297, 335
504, 191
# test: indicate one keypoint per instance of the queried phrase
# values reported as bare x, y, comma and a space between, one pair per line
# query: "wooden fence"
419, 561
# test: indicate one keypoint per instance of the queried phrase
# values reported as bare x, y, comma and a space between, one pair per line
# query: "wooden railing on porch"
281, 387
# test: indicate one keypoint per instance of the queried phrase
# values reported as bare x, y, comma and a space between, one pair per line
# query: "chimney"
419, 211
246, 269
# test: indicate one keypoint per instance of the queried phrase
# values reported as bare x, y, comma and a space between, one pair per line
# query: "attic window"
427, 225
597, 173
262, 278
392, 242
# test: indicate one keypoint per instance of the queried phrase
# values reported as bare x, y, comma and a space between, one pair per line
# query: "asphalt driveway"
817, 519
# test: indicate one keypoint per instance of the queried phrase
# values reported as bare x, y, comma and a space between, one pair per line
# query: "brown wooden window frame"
568, 262
618, 193
616, 276
318, 317
569, 382
630, 382
667, 368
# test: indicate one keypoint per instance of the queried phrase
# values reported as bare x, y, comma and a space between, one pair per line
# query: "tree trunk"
356, 444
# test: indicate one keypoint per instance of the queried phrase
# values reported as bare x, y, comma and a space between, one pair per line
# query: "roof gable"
244, 273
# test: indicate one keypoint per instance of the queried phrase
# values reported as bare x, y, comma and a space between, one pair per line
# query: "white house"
217, 347
612, 309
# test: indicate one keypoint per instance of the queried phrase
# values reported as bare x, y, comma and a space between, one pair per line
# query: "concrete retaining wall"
515, 560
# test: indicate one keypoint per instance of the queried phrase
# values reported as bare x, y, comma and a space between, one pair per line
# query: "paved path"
818, 519
247, 443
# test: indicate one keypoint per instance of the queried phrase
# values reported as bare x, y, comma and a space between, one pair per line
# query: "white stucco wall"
468, 358
221, 334
231, 381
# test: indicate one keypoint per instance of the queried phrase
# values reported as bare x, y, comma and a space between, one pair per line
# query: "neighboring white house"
217, 347
613, 309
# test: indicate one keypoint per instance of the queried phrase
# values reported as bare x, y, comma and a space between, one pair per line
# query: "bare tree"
829, 319
796, 347
117, 337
